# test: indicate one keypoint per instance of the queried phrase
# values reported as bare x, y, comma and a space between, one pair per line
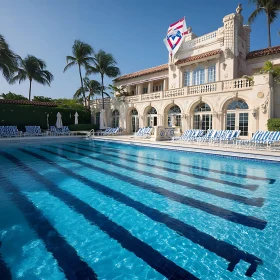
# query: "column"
165, 84
191, 77
206, 74
218, 65
150, 87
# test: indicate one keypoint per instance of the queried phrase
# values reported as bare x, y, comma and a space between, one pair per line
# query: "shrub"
22, 115
273, 124
77, 127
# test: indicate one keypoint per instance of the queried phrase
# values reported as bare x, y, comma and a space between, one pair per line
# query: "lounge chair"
186, 133
11, 131
193, 135
246, 143
230, 138
33, 131
210, 133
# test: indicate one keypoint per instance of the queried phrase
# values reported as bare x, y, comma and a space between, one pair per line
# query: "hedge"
22, 115
76, 127
273, 124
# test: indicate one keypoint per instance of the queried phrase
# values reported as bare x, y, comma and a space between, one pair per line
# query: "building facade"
209, 84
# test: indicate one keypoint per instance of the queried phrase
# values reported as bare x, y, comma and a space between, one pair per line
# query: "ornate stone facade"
205, 83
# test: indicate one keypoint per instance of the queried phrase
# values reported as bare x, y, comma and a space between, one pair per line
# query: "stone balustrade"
218, 87
200, 40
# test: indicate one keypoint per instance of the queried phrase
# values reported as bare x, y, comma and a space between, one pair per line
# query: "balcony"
217, 87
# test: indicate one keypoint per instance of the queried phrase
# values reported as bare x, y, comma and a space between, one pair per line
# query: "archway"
174, 116
134, 120
152, 117
202, 118
115, 118
237, 116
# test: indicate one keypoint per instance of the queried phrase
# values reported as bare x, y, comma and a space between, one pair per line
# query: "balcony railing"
218, 87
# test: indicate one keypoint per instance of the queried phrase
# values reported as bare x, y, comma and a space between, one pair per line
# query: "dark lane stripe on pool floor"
5, 273
68, 260
258, 202
142, 250
197, 176
221, 248
271, 181
204, 206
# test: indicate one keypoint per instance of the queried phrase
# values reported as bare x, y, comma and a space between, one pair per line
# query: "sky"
131, 30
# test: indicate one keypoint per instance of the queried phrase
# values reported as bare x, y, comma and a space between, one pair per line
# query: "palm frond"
253, 16
69, 65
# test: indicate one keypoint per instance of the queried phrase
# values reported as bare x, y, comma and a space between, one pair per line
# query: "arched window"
134, 112
152, 111
237, 116
152, 117
134, 120
202, 117
115, 118
198, 76
202, 107
237, 104
174, 116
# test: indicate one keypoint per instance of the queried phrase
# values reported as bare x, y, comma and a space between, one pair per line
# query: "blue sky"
131, 30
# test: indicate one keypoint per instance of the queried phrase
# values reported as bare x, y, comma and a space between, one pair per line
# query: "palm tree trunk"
102, 90
30, 81
82, 85
268, 26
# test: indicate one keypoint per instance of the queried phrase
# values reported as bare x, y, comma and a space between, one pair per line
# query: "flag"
175, 35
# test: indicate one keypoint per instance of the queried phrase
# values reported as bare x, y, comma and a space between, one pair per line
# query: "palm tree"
271, 9
93, 88
104, 64
81, 55
270, 68
8, 60
32, 68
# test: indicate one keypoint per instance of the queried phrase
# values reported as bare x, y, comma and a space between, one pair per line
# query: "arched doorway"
115, 118
134, 120
237, 116
152, 117
202, 118
97, 118
174, 116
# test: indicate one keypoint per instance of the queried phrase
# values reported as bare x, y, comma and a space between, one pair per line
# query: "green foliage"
8, 60
270, 7
13, 96
21, 115
105, 65
270, 68
32, 68
83, 127
74, 104
42, 99
120, 91
273, 124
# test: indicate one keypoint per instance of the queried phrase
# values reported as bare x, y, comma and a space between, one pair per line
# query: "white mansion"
204, 87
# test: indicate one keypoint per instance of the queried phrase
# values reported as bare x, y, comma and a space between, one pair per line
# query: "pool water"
98, 210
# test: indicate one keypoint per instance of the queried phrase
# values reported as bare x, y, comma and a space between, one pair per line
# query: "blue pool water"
98, 210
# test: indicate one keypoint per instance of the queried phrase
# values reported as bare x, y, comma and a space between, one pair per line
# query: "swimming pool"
98, 210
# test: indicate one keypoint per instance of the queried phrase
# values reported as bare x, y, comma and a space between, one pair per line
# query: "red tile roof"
143, 72
199, 56
26, 102
263, 52
165, 66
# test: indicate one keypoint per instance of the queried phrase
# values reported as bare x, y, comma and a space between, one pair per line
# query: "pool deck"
131, 140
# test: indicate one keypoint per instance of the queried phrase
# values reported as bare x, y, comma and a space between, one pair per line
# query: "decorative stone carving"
260, 94
265, 104
239, 9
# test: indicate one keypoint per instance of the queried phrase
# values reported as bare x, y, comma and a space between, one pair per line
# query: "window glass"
212, 74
